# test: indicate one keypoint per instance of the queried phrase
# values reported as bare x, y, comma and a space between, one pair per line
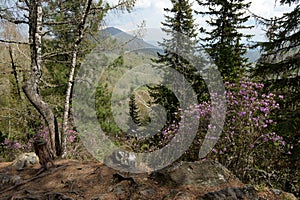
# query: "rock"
232, 194
15, 180
24, 160
122, 160
4, 179
276, 191
9, 179
202, 173
125, 161
147, 192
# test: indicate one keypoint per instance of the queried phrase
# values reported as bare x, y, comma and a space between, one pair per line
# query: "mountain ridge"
134, 43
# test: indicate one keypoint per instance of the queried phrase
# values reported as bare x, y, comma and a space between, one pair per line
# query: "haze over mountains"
133, 43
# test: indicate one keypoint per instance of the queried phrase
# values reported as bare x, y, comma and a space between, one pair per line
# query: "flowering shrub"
9, 149
249, 141
249, 135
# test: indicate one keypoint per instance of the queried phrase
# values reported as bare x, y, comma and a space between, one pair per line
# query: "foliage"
181, 43
278, 67
249, 145
12, 147
133, 110
224, 42
64, 42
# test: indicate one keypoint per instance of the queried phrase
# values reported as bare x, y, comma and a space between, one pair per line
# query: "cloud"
152, 13
143, 4
162, 4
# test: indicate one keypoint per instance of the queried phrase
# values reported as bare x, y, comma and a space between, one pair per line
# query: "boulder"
25, 159
205, 173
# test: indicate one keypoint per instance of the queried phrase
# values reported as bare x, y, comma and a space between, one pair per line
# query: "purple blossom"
16, 145
72, 138
6, 141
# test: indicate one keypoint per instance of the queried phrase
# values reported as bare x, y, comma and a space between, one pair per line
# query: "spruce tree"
134, 111
279, 68
224, 41
181, 43
279, 64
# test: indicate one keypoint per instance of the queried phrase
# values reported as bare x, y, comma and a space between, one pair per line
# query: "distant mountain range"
130, 42
133, 43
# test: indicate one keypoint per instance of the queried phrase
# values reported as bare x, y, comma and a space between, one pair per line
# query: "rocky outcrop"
202, 173
205, 180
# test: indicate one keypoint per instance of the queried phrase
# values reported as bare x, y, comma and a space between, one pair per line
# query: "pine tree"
224, 42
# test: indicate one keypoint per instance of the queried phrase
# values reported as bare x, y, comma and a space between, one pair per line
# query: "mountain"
130, 42
133, 43
253, 55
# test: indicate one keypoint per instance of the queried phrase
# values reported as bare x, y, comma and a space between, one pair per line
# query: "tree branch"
13, 42
12, 20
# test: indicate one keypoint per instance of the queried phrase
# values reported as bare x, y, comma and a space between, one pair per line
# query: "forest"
49, 53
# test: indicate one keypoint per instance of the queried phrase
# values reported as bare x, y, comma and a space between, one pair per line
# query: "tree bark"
81, 31
31, 88
42, 151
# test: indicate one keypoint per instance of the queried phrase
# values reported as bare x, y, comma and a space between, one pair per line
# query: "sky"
150, 13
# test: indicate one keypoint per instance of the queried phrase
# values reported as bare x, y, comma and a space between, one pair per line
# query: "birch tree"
31, 14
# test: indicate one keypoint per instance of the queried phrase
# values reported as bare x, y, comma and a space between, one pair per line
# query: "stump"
42, 151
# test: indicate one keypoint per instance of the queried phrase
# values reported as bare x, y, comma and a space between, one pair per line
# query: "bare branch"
14, 68
54, 54
13, 42
12, 20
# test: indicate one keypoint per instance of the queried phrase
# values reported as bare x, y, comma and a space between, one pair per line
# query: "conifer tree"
134, 111
279, 68
179, 25
279, 64
224, 41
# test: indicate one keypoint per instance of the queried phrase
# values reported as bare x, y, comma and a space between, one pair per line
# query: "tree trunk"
42, 151
30, 88
71, 77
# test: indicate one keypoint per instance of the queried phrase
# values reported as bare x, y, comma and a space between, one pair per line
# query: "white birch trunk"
81, 31
30, 88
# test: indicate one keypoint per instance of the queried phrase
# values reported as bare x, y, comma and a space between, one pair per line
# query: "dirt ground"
71, 179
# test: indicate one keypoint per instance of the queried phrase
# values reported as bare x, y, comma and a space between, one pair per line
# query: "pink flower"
72, 138
6, 141
16, 145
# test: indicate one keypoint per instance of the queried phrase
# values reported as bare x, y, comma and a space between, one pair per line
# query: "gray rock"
4, 179
15, 180
276, 191
232, 194
202, 173
147, 192
8, 179
25, 159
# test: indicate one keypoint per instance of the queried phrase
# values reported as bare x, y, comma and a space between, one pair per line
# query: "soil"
71, 179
